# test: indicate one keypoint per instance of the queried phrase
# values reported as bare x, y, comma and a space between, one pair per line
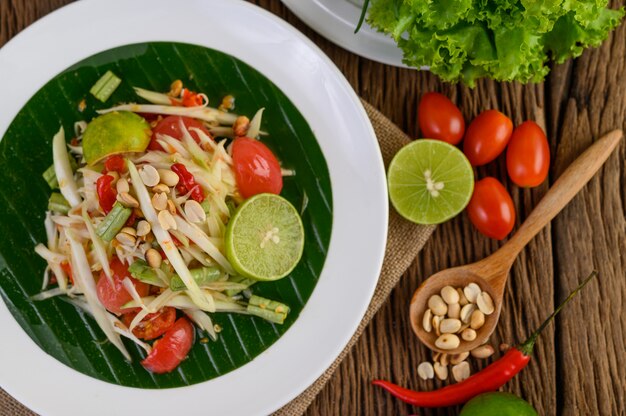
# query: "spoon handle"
563, 190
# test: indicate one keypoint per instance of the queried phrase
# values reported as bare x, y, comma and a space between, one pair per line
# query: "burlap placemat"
404, 241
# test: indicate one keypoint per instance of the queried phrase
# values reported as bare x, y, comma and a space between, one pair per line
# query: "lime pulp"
430, 181
264, 238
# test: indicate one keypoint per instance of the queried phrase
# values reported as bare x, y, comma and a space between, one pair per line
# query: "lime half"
430, 181
265, 238
114, 133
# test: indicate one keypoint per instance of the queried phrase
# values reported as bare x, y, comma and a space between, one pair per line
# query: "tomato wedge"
170, 126
257, 170
153, 325
168, 352
113, 295
115, 163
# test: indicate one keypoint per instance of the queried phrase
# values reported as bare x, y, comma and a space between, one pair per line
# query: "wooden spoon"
492, 272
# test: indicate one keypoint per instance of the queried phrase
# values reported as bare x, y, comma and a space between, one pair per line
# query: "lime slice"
430, 181
264, 238
114, 133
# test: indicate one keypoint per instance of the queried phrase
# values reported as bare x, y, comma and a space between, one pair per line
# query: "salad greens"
507, 40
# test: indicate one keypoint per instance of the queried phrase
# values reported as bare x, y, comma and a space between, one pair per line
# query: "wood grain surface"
578, 365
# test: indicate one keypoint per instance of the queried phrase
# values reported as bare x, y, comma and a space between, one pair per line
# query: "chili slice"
489, 379
67, 268
106, 194
187, 182
191, 99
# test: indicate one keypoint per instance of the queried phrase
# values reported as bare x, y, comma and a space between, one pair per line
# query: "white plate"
347, 140
336, 21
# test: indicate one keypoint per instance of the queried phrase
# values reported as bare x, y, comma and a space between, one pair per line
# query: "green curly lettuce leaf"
507, 40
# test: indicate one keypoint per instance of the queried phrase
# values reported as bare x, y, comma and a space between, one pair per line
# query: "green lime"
430, 181
113, 133
497, 404
264, 238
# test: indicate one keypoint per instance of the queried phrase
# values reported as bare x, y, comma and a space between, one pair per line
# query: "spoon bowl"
457, 277
492, 272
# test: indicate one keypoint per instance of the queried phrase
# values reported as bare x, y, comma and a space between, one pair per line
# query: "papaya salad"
163, 214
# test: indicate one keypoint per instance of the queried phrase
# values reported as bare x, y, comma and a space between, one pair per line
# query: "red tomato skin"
486, 137
115, 163
528, 155
170, 126
113, 296
257, 170
491, 209
440, 119
153, 325
168, 352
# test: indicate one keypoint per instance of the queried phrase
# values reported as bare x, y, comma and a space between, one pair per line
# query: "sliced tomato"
153, 325
170, 126
115, 163
168, 352
257, 170
112, 293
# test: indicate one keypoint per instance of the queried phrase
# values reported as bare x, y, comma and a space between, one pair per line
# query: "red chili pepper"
130, 222
489, 379
188, 182
106, 194
115, 163
176, 241
191, 99
67, 268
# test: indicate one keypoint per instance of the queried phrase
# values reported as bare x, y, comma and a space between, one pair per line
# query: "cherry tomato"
257, 170
440, 119
106, 194
170, 126
486, 137
113, 294
168, 352
153, 325
115, 163
491, 209
528, 155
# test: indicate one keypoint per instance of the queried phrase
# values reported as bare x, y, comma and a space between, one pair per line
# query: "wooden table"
578, 365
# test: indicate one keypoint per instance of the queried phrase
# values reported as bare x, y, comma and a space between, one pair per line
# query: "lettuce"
507, 40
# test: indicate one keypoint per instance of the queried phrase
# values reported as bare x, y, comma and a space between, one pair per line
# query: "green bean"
113, 222
202, 276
